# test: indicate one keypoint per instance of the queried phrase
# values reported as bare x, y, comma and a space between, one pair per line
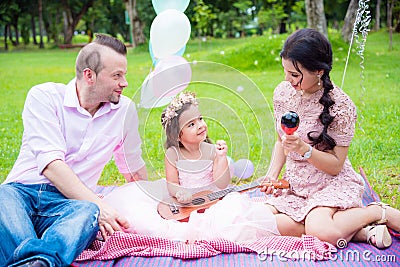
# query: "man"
48, 211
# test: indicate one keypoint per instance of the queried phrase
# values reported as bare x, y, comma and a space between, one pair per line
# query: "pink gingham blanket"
122, 244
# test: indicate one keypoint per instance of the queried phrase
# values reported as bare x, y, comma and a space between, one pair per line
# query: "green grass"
241, 118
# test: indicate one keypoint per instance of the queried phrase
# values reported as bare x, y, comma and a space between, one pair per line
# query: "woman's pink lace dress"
311, 187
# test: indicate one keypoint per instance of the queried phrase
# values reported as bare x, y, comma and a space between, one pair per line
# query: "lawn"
234, 80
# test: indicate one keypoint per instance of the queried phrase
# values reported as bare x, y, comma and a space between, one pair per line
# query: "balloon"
169, 32
147, 97
231, 166
244, 168
155, 61
161, 5
171, 76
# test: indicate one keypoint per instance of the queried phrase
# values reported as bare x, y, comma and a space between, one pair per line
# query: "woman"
326, 192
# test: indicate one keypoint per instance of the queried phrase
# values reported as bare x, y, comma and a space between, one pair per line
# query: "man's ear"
89, 76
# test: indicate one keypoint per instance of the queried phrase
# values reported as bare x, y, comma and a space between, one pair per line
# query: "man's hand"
110, 221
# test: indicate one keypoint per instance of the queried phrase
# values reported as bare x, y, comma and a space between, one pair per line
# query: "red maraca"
289, 123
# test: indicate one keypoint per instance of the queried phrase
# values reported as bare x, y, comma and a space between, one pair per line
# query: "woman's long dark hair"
313, 51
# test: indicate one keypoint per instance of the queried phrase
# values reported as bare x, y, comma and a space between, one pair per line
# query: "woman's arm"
330, 162
278, 159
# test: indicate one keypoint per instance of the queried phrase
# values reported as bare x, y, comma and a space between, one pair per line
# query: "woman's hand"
268, 188
221, 148
293, 143
266, 185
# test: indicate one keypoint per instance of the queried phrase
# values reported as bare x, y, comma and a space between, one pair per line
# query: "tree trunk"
136, 26
316, 16
16, 28
129, 8
282, 27
71, 19
40, 9
349, 20
378, 16
33, 26
10, 35
5, 36
390, 5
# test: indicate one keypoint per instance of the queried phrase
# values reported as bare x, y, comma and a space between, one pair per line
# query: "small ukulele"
172, 209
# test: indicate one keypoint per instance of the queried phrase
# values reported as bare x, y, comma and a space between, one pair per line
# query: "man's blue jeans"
38, 222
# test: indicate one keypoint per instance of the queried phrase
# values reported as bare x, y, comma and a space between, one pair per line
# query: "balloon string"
347, 59
363, 29
363, 18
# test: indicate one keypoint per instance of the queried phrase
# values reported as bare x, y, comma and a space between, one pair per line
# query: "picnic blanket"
125, 244
126, 249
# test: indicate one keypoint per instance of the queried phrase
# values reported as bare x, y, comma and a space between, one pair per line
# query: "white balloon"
171, 76
169, 32
147, 97
244, 168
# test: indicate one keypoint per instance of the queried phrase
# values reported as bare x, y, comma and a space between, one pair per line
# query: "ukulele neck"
220, 194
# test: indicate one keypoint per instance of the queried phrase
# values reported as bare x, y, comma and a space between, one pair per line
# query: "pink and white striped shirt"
57, 127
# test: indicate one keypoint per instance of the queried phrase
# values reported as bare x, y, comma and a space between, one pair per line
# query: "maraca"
289, 123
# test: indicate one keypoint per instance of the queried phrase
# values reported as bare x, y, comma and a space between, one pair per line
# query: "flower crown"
176, 104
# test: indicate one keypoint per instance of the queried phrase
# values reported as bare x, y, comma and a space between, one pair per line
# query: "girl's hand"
221, 148
183, 196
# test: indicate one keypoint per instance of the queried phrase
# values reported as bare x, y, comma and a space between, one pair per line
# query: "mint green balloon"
161, 5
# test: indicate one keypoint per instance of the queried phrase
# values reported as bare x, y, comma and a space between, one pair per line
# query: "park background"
245, 35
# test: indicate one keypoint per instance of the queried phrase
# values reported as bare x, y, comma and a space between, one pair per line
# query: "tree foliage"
63, 19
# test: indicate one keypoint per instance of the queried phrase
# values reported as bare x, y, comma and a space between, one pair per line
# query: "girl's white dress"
236, 217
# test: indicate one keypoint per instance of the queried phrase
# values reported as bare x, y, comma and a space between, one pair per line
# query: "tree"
41, 33
281, 15
105, 16
316, 16
53, 22
378, 15
202, 18
243, 17
347, 30
390, 5
272, 17
335, 12
73, 12
7, 8
135, 22
33, 26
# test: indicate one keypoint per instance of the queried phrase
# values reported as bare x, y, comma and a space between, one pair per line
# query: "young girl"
326, 192
192, 165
